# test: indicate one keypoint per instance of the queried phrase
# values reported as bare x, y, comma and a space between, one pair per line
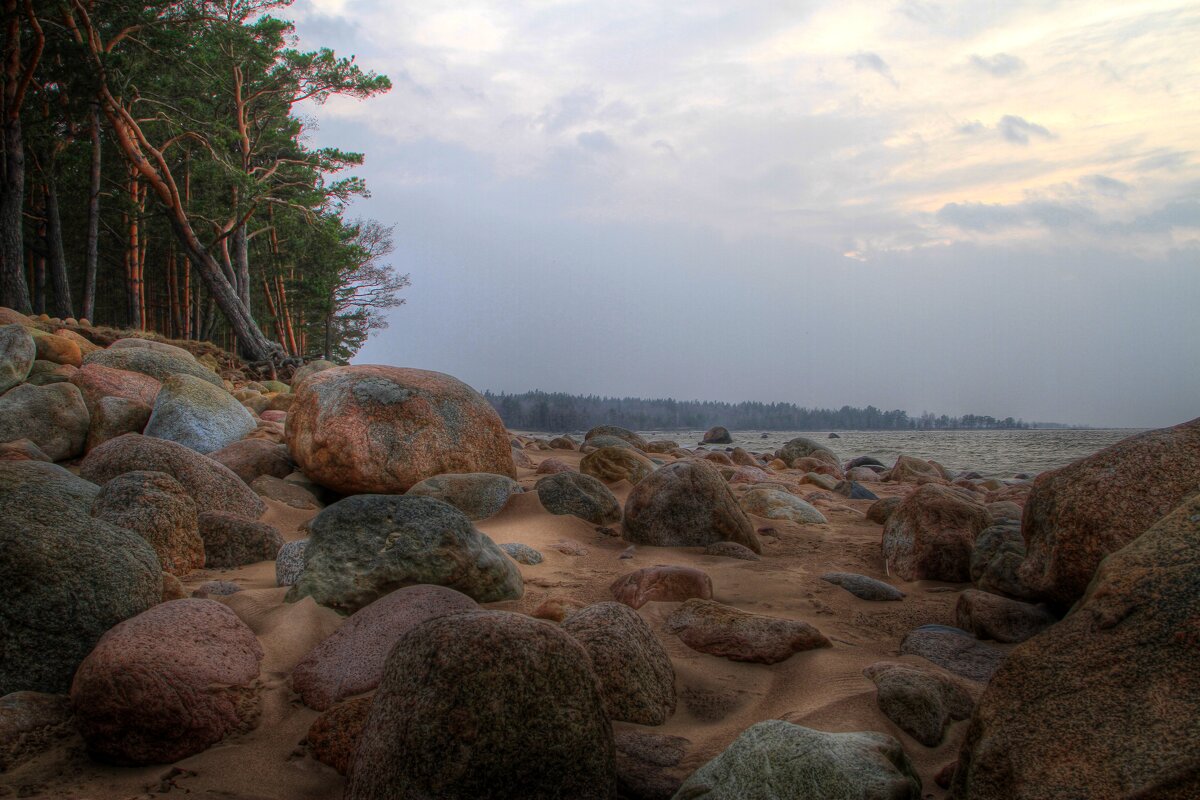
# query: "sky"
957, 207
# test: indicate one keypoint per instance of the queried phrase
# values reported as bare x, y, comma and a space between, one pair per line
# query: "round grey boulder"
579, 495
54, 417
17, 354
479, 495
198, 415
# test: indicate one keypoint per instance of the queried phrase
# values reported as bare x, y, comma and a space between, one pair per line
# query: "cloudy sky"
960, 207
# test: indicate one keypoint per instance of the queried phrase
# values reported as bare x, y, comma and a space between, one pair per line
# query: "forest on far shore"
157, 173
558, 411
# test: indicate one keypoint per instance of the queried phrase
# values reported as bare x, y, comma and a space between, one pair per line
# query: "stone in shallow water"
863, 587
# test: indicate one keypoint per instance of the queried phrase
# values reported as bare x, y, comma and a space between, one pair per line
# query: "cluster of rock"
127, 464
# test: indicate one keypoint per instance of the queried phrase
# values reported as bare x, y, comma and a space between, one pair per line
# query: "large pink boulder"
378, 429
168, 684
96, 381
1077, 515
351, 660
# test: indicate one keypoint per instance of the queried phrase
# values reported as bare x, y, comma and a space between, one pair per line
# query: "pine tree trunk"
14, 292
93, 223
57, 259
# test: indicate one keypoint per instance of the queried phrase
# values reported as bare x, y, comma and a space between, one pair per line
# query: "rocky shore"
356, 583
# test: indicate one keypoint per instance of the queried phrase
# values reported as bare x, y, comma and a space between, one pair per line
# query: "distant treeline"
557, 411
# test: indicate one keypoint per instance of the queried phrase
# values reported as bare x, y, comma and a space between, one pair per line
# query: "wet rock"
731, 550
990, 616
953, 649
363, 429
522, 553
479, 495
777, 504
921, 700
158, 363
1077, 515
365, 546
156, 507
351, 660
1106, 703
250, 459
637, 680
65, 578
686, 504
213, 486
231, 541
863, 587
930, 536
612, 464
53, 417
720, 630
717, 435
776, 759
168, 683
661, 584
542, 727
575, 494
17, 354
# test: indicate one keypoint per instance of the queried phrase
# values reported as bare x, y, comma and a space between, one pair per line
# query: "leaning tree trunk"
56, 257
14, 292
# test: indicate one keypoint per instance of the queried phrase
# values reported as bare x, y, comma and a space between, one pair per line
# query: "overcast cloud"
954, 207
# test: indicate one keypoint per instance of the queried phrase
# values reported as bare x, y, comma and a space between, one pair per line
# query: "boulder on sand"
662, 583
931, 535
637, 679
803, 447
231, 541
1077, 515
778, 504
1106, 703
54, 417
686, 504
486, 704
612, 464
479, 495
65, 578
990, 616
351, 660
776, 759
365, 546
376, 429
579, 495
921, 700
617, 431
213, 486
198, 415
250, 459
168, 683
156, 507
721, 630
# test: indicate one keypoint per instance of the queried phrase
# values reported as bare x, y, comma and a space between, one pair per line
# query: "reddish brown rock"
556, 609
930, 536
686, 504
990, 616
717, 457
113, 417
333, 738
377, 429
351, 660
882, 508
251, 458
721, 630
749, 475
743, 458
96, 381
1106, 703
553, 466
57, 349
22, 450
635, 672
661, 584
910, 469
213, 486
168, 684
156, 507
1077, 515
231, 541
274, 416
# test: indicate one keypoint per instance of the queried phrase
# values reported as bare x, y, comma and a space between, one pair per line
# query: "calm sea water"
993, 454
